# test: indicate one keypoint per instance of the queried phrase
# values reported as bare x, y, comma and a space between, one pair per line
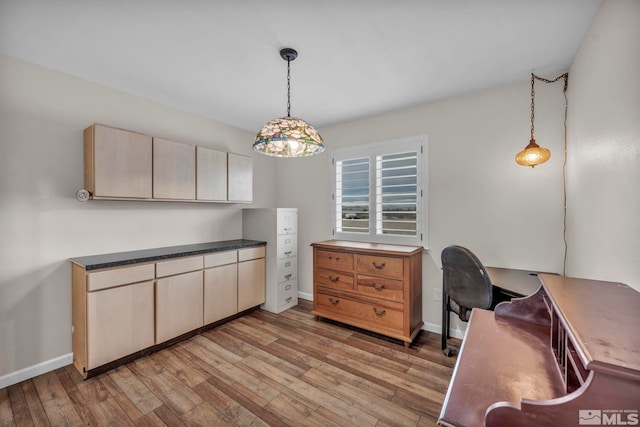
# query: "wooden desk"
518, 283
541, 360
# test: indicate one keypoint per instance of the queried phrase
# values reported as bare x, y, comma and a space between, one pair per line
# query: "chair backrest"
464, 278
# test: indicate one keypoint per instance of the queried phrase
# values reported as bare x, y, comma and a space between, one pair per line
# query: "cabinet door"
174, 170
118, 163
119, 322
220, 292
240, 169
179, 305
251, 283
211, 182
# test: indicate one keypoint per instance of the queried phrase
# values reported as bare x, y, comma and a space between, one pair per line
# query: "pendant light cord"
564, 76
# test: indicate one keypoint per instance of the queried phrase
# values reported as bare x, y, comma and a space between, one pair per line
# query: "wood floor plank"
138, 393
262, 369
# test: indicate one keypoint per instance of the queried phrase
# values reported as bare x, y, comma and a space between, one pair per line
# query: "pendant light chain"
533, 92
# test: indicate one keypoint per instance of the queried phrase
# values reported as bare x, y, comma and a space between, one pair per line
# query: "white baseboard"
35, 370
304, 295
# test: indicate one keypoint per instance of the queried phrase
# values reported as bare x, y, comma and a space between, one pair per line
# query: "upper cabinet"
174, 170
212, 174
240, 178
121, 165
118, 163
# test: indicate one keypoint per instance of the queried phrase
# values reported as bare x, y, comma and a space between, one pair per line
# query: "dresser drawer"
178, 266
287, 246
380, 265
334, 260
379, 315
287, 269
334, 279
391, 289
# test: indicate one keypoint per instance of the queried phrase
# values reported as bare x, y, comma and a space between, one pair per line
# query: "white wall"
604, 148
509, 215
42, 225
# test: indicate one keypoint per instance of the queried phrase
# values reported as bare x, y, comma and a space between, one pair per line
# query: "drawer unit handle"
378, 287
288, 276
288, 299
335, 301
336, 258
286, 288
378, 266
287, 264
287, 241
334, 279
378, 313
288, 253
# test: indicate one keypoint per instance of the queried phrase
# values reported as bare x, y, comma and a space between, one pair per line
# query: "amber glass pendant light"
288, 136
533, 154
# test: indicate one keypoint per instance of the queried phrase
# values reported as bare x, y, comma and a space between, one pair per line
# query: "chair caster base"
450, 351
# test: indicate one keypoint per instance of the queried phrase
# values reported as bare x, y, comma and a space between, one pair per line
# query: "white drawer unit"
278, 227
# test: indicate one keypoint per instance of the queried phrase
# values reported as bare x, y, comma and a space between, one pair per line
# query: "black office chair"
465, 285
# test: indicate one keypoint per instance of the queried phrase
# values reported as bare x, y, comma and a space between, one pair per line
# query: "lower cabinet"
220, 292
134, 308
251, 278
179, 305
119, 322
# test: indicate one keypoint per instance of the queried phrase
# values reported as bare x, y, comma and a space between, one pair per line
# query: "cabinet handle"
378, 266
378, 287
287, 264
334, 279
335, 301
288, 299
288, 276
378, 313
286, 288
288, 253
336, 258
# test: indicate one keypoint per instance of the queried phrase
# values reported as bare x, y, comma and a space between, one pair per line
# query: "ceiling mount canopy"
288, 136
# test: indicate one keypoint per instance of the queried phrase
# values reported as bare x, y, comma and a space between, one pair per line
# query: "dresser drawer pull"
378, 266
379, 313
334, 278
336, 258
335, 301
378, 287
286, 288
288, 276
288, 299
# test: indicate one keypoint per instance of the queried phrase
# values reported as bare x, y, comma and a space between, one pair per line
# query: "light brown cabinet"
220, 286
122, 307
251, 277
174, 170
113, 314
211, 174
126, 165
240, 170
118, 163
371, 286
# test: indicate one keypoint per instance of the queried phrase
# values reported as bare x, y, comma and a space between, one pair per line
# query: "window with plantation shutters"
378, 192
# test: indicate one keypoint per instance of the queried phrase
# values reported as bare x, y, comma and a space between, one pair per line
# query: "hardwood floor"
261, 369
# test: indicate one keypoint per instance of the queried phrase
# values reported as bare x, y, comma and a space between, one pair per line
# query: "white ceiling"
220, 58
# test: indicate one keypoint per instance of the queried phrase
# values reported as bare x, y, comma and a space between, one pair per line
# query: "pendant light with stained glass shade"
288, 136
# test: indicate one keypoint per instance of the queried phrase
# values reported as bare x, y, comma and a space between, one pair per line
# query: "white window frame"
417, 144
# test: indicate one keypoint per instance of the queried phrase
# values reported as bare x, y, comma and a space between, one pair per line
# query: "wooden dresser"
564, 356
371, 286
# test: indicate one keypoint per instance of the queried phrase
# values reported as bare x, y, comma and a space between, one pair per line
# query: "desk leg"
445, 318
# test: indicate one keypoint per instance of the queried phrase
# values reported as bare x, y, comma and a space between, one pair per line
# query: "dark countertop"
117, 259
